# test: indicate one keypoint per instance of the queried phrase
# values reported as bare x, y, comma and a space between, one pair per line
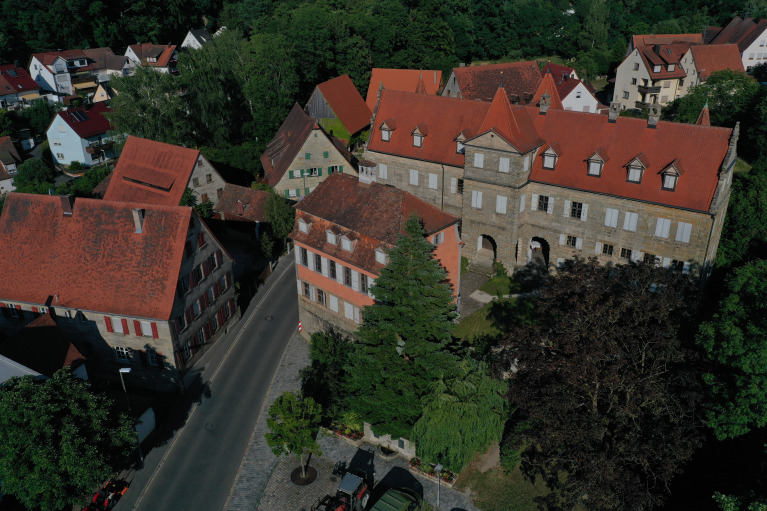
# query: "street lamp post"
125, 370
438, 468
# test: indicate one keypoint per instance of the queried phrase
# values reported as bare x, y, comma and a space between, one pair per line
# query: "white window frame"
417, 140
385, 135
453, 184
669, 181
595, 168
303, 226
634, 174
331, 237
479, 160
348, 311
346, 244
504, 165
122, 354
438, 238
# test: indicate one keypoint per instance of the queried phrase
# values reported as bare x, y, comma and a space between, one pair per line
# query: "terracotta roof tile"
403, 80
283, 148
548, 86
664, 55
239, 202
700, 150
650, 39
558, 71
21, 82
87, 122
716, 57
704, 118
374, 214
162, 52
151, 172
520, 79
42, 346
741, 31
347, 103
94, 259
446, 117
511, 123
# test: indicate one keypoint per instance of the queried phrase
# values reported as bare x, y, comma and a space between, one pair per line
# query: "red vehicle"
107, 497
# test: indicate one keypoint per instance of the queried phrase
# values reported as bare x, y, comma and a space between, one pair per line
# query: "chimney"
138, 219
367, 172
67, 202
545, 103
654, 117
614, 113
656, 49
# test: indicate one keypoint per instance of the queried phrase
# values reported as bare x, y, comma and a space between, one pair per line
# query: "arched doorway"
538, 252
486, 251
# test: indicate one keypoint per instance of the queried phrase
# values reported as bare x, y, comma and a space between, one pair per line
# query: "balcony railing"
96, 146
648, 89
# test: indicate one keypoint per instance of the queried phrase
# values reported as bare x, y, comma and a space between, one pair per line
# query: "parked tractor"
353, 494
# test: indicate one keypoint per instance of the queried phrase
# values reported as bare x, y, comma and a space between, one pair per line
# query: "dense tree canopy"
293, 424
324, 379
33, 176
59, 440
403, 340
605, 388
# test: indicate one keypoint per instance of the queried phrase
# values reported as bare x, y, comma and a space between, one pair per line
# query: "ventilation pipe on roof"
615, 111
67, 201
138, 219
654, 117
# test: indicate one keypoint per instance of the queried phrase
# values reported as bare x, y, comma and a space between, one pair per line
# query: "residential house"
80, 134
242, 209
520, 79
159, 173
751, 37
196, 38
9, 163
700, 61
43, 347
406, 80
12, 369
302, 154
67, 72
162, 58
559, 71
574, 93
538, 183
17, 88
338, 107
133, 285
103, 93
340, 251
652, 39
651, 75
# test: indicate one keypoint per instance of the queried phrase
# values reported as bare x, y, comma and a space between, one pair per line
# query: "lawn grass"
498, 285
496, 491
476, 324
741, 167
464, 265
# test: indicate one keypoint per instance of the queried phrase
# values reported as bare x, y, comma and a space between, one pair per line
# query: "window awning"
31, 96
84, 85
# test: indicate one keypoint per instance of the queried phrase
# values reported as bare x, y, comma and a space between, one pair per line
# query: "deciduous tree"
33, 175
606, 387
293, 423
59, 440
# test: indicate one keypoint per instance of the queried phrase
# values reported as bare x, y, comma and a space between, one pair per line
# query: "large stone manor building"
537, 183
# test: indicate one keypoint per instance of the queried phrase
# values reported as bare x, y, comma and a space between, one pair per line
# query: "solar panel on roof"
79, 116
12, 73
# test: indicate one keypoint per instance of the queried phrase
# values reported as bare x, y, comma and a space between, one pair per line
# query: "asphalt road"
195, 469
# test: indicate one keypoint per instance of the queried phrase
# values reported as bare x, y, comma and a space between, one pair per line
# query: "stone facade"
205, 182
633, 84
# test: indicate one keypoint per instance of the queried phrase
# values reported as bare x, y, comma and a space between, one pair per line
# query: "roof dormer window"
303, 225
670, 176
656, 69
386, 128
381, 257
671, 67
417, 140
636, 168
331, 237
596, 163
550, 156
385, 135
347, 243
418, 133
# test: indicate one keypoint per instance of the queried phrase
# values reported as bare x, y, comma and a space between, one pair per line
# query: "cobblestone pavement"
259, 462
470, 282
282, 494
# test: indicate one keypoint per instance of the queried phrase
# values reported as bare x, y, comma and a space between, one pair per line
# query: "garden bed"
424, 469
351, 437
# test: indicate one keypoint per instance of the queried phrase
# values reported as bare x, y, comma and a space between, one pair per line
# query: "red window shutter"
108, 322
206, 331
216, 289
219, 257
155, 334
191, 280
205, 300
34, 309
137, 326
211, 326
125, 326
220, 316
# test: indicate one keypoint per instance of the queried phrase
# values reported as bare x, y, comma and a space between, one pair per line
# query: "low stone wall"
401, 446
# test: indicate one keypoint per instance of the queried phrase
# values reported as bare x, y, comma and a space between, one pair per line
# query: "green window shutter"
287, 193
290, 174
306, 192
298, 192
341, 169
325, 154
308, 156
319, 171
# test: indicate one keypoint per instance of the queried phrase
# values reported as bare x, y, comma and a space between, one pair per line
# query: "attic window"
595, 168
656, 69
670, 67
385, 135
549, 159
347, 244
381, 257
669, 181
417, 140
331, 237
634, 174
303, 225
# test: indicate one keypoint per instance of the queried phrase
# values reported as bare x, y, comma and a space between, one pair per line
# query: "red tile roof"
347, 103
716, 57
42, 347
244, 204
558, 71
151, 172
520, 79
94, 259
374, 214
700, 150
548, 86
511, 123
163, 53
87, 122
664, 55
97, 58
650, 39
741, 31
14, 80
283, 148
704, 118
403, 80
